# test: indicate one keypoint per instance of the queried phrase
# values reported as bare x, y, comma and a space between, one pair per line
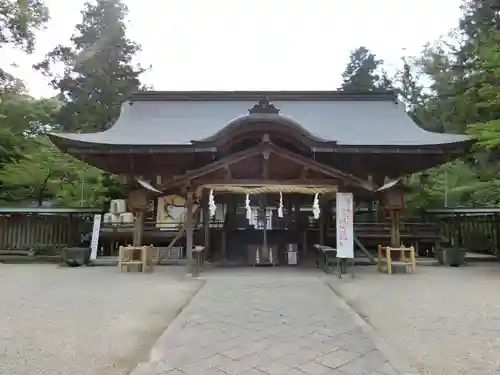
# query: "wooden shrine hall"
260, 170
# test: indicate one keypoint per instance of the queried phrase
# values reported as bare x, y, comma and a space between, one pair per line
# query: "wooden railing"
476, 230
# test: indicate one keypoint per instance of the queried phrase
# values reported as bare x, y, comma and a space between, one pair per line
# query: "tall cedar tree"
19, 19
98, 71
364, 73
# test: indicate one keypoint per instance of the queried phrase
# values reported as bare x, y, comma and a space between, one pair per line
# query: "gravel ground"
447, 320
88, 321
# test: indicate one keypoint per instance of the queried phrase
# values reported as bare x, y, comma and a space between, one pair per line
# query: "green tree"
364, 72
488, 94
45, 173
98, 71
22, 117
19, 20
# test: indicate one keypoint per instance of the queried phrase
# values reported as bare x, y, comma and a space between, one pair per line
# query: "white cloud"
253, 44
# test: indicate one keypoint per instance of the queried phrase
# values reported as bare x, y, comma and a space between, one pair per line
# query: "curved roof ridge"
279, 119
237, 95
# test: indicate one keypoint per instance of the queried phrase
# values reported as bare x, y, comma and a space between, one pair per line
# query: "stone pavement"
262, 321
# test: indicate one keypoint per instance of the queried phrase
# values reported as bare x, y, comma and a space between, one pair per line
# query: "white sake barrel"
108, 218
127, 218
117, 206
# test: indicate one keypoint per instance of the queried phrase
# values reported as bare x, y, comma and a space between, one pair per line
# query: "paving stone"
386, 369
364, 364
337, 358
241, 365
359, 345
175, 372
314, 368
253, 371
301, 356
274, 368
263, 324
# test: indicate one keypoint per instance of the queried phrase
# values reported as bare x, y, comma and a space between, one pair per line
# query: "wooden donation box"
292, 254
135, 255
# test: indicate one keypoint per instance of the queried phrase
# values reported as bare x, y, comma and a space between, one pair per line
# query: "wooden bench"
330, 262
327, 258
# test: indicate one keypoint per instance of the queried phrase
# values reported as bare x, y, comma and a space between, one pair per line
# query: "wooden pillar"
189, 231
138, 203
263, 218
297, 213
324, 219
206, 223
138, 228
395, 234
289, 211
223, 233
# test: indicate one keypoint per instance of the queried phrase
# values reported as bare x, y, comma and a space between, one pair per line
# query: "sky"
252, 44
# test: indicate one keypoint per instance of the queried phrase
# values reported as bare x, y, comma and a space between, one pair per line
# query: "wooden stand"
141, 255
409, 263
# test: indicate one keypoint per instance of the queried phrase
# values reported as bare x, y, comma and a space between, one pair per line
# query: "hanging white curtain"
280, 207
316, 210
211, 203
248, 208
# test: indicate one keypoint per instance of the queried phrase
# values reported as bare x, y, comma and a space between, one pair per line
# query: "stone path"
270, 322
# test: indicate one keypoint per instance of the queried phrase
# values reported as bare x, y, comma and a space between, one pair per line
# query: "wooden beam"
229, 173
314, 165
179, 234
265, 165
270, 148
364, 249
304, 173
212, 167
259, 182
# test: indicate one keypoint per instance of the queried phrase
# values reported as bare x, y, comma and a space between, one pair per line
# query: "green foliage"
10, 147
454, 184
463, 70
25, 115
19, 20
98, 72
364, 73
45, 173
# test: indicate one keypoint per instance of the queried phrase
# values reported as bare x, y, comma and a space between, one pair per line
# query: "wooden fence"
46, 232
475, 229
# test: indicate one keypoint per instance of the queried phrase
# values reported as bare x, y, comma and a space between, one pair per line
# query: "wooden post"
206, 223
189, 231
395, 235
138, 228
321, 224
263, 211
289, 211
296, 228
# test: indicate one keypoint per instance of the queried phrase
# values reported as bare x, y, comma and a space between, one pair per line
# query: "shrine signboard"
345, 226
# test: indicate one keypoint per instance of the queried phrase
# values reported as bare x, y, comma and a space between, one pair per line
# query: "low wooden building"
280, 148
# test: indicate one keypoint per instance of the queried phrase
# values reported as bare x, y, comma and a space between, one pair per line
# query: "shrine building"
246, 171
